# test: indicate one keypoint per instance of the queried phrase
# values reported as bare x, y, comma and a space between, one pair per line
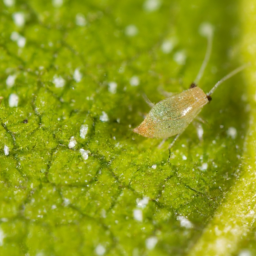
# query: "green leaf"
74, 178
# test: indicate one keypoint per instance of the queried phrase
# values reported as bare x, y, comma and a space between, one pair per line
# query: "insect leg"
201, 120
165, 93
174, 140
147, 100
161, 143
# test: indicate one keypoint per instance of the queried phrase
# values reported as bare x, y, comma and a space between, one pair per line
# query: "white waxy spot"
134, 81
77, 75
103, 213
6, 150
137, 215
252, 213
19, 19
131, 30
245, 253
10, 81
83, 130
19, 39
151, 242
184, 157
154, 166
180, 57
80, 20
104, 117
84, 153
13, 100
100, 249
206, 29
112, 87
2, 236
58, 81
57, 3
40, 254
72, 142
221, 245
231, 132
200, 131
143, 202
204, 167
168, 45
9, 3
185, 111
184, 222
15, 36
151, 5
66, 201
21, 42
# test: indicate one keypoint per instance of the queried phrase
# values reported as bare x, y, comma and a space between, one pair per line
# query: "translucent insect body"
171, 116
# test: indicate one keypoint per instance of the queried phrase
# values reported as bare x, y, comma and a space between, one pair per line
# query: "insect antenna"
232, 73
206, 30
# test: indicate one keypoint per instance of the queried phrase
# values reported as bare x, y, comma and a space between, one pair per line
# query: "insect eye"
193, 85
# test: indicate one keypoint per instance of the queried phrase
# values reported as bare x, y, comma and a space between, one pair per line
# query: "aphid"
171, 116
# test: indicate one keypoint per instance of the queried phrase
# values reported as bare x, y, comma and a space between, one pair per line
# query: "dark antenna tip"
209, 97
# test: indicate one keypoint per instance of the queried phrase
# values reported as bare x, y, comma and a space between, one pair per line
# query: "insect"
171, 116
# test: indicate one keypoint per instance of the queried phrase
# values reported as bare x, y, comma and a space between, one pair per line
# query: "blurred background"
74, 178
